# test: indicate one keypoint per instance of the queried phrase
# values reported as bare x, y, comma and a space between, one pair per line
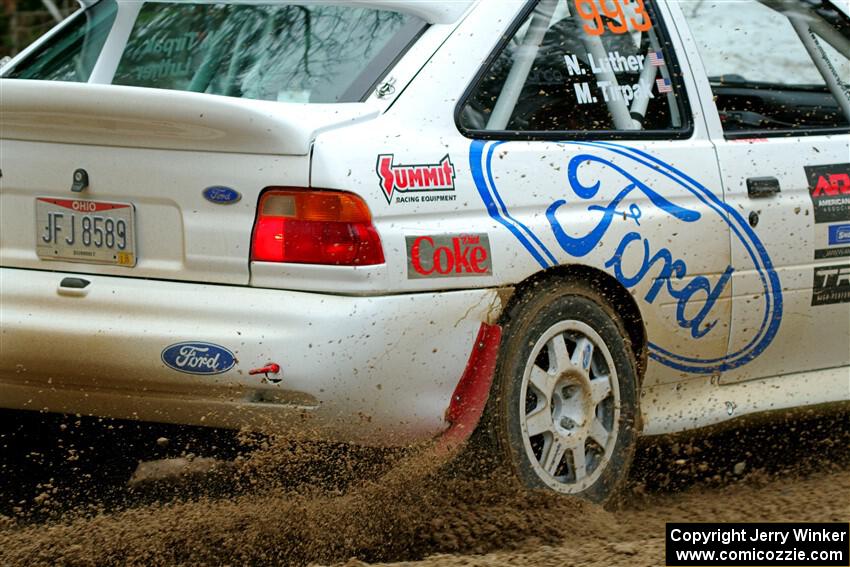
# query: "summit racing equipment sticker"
829, 188
448, 256
433, 180
831, 285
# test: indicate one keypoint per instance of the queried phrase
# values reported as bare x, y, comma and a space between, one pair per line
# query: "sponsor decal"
829, 188
448, 256
221, 195
839, 234
592, 12
824, 253
695, 296
398, 180
608, 91
827, 59
198, 358
831, 285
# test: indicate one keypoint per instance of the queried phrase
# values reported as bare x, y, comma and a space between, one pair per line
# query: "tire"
565, 368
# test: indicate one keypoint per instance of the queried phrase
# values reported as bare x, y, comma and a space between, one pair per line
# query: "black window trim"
686, 131
786, 133
385, 60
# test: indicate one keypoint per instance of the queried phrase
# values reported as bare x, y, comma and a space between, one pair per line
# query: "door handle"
758, 187
78, 287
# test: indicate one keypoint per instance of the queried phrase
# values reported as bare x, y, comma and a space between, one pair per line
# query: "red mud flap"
471, 393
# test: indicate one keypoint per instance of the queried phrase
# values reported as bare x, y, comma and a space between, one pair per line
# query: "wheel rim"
569, 407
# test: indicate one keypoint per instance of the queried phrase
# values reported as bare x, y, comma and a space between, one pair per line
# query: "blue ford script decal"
221, 195
198, 358
699, 294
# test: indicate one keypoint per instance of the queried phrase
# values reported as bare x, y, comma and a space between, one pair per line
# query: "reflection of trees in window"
330, 39
255, 51
73, 51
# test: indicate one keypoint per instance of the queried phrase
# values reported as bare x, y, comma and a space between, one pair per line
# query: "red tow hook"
270, 368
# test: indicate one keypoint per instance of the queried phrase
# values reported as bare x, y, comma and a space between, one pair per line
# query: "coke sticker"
448, 256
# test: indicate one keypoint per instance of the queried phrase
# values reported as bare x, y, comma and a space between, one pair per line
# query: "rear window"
71, 53
290, 53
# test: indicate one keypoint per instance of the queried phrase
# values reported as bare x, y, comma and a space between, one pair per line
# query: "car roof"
432, 11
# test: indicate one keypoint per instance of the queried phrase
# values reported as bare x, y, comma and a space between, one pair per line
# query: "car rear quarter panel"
420, 129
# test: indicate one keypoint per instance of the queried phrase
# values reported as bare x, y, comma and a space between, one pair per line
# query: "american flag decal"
664, 85
656, 58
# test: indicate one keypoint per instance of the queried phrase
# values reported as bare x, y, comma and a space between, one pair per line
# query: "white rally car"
363, 221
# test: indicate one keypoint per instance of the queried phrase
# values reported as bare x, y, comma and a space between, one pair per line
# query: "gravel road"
212, 497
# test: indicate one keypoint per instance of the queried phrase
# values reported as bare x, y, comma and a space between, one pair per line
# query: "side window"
71, 54
775, 66
584, 66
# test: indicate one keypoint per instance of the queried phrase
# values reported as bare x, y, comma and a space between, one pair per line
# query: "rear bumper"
374, 370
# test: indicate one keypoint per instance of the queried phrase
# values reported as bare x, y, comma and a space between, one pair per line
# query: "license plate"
76, 230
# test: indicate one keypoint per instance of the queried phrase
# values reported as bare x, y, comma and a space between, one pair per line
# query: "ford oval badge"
221, 195
198, 358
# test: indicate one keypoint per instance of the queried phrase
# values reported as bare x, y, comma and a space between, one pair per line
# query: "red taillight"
315, 227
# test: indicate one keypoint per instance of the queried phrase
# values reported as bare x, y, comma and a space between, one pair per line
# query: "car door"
585, 151
779, 120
